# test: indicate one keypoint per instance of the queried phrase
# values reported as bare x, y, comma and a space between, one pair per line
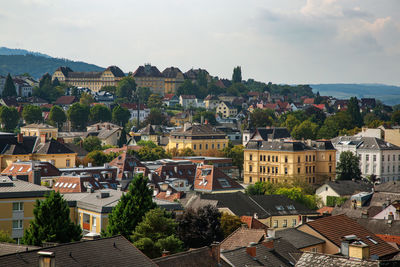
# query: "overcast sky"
282, 41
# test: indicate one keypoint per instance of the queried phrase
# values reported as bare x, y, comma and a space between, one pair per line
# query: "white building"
23, 88
187, 101
376, 156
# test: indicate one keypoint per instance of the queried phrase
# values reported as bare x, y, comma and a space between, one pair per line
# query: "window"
250, 157
200, 146
284, 223
206, 146
313, 180
313, 157
194, 147
269, 169
394, 168
260, 157
286, 170
374, 157
275, 223
250, 168
250, 179
264, 157
298, 170
330, 169
218, 146
67, 162
367, 157
388, 168
18, 206
314, 249
286, 159
394, 157
276, 159
383, 158
212, 146
276, 169
298, 159
330, 157
374, 169
313, 169
294, 222
17, 224
366, 168
388, 157
269, 158
260, 168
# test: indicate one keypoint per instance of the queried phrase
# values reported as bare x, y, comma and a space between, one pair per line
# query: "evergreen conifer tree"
51, 222
131, 208
9, 87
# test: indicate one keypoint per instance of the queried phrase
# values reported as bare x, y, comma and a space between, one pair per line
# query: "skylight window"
74, 186
96, 184
65, 185
69, 186
20, 169
290, 207
372, 240
56, 184
223, 182
279, 207
12, 168
61, 184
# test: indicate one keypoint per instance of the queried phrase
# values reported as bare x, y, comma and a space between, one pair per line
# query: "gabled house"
31, 171
170, 100
66, 101
212, 180
181, 118
107, 132
149, 76
301, 240
242, 237
339, 232
211, 102
341, 189
226, 110
133, 109
187, 101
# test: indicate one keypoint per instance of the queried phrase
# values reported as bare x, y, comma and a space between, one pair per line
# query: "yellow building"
173, 79
37, 129
148, 76
92, 80
226, 110
25, 148
285, 161
17, 200
202, 139
180, 119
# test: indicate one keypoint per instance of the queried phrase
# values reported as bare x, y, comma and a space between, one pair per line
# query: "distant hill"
388, 94
19, 61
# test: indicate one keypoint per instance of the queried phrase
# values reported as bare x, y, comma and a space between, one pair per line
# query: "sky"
279, 41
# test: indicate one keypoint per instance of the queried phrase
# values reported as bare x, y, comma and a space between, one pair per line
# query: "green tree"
9, 118
236, 153
348, 166
9, 87
369, 118
120, 115
47, 90
143, 93
207, 115
200, 228
51, 222
237, 75
188, 88
109, 88
298, 195
315, 115
100, 113
78, 114
32, 114
57, 116
291, 122
159, 227
125, 87
6, 237
261, 118
91, 143
122, 139
156, 117
261, 188
147, 143
55, 82
353, 109
98, 158
147, 153
154, 101
395, 119
306, 130
86, 99
229, 223
131, 208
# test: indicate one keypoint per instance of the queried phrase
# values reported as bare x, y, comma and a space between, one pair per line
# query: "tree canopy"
31, 114
78, 114
91, 143
120, 115
57, 116
131, 208
100, 113
125, 87
51, 222
9, 87
348, 167
237, 75
9, 118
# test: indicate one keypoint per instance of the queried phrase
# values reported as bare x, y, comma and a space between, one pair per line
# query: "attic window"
20, 169
372, 240
279, 207
290, 207
74, 186
69, 186
224, 183
61, 184
56, 184
65, 185
12, 168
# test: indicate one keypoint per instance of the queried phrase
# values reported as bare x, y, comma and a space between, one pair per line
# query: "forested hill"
388, 94
5, 51
36, 66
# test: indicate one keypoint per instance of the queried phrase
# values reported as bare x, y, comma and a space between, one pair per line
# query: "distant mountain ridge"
388, 94
19, 61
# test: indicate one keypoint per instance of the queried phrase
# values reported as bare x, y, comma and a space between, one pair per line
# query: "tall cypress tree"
353, 109
131, 208
237, 75
51, 222
9, 87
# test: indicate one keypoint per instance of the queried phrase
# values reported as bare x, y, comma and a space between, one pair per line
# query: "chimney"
46, 259
364, 214
20, 138
252, 250
268, 242
205, 121
215, 250
36, 176
165, 253
43, 138
359, 250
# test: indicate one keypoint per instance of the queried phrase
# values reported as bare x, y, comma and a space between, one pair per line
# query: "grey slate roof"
171, 72
264, 257
346, 188
147, 71
390, 187
289, 145
15, 189
365, 143
8, 248
112, 251
298, 238
380, 226
263, 205
268, 134
309, 259
52, 147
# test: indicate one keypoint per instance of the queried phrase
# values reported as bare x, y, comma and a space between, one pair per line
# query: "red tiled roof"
242, 237
325, 210
253, 223
133, 106
334, 228
185, 171
168, 96
71, 184
390, 238
172, 197
214, 180
65, 100
308, 101
320, 106
188, 96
